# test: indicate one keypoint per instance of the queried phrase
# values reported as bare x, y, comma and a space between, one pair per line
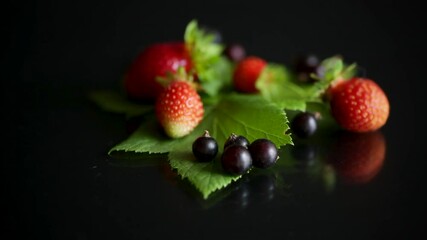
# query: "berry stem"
206, 134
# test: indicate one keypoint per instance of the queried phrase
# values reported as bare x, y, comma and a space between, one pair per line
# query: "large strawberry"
359, 105
179, 108
247, 73
154, 61
198, 52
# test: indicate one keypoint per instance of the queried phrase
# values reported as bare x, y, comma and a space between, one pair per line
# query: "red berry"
154, 61
179, 108
359, 105
247, 73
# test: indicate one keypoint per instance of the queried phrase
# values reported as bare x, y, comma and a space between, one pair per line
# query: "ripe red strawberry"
358, 157
154, 61
247, 72
179, 108
359, 105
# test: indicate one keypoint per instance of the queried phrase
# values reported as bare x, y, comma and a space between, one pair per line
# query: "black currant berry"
236, 159
263, 152
236, 140
205, 148
304, 124
305, 65
235, 52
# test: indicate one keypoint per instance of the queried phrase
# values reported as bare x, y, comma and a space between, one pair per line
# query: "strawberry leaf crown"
334, 68
332, 71
180, 75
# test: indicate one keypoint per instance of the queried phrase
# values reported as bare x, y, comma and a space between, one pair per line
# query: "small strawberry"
154, 61
179, 108
359, 105
247, 73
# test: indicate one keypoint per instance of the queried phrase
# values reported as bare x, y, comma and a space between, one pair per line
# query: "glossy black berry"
205, 148
236, 140
304, 124
236, 159
264, 153
305, 65
235, 52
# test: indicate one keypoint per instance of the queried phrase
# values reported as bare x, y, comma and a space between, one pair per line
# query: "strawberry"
154, 61
247, 72
179, 108
359, 105
198, 52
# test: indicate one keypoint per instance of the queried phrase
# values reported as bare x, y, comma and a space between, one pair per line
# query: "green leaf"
148, 138
278, 85
206, 177
114, 102
205, 54
248, 115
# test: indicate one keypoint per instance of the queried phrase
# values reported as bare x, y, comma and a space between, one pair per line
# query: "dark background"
59, 183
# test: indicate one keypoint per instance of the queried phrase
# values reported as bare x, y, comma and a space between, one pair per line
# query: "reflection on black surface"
304, 172
257, 187
357, 157
239, 198
315, 167
305, 154
308, 167
253, 189
264, 186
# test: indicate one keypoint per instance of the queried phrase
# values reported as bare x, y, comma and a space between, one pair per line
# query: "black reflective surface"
59, 183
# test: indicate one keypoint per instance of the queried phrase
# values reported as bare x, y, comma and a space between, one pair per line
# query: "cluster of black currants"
239, 155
